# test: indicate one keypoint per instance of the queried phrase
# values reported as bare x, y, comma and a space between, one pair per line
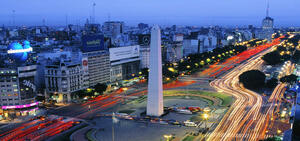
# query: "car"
163, 122
176, 123
190, 124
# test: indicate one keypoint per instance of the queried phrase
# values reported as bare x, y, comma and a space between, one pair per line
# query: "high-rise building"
191, 46
267, 26
96, 56
155, 105
145, 56
98, 66
91, 28
142, 26
18, 80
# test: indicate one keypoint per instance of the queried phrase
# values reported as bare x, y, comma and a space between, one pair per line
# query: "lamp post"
205, 117
125, 94
168, 137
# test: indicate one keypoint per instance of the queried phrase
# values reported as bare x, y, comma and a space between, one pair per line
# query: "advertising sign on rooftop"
144, 39
19, 52
120, 53
93, 43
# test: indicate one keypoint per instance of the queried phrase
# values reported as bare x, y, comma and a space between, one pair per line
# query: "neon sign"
29, 84
20, 106
19, 50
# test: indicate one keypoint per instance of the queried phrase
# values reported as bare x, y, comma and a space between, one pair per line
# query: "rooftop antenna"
93, 16
268, 7
13, 17
44, 22
67, 20
108, 17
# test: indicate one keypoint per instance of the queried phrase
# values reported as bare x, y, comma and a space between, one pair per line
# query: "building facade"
95, 59
62, 77
98, 66
18, 81
144, 56
125, 62
267, 28
190, 46
113, 28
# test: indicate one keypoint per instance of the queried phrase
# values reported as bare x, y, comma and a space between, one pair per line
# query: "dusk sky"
163, 12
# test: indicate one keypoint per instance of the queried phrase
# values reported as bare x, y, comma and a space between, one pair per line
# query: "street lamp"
168, 137
279, 132
171, 69
125, 89
205, 117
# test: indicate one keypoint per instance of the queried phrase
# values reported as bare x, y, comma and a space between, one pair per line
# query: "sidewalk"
79, 135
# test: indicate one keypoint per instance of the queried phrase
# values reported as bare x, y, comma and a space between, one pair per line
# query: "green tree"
272, 83
272, 58
272, 139
80, 93
40, 98
145, 72
296, 56
253, 79
100, 88
289, 79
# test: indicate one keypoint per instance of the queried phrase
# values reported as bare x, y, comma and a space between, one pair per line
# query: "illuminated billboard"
19, 52
120, 53
27, 81
20, 106
93, 43
144, 39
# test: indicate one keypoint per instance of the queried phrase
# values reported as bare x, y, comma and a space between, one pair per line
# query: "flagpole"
113, 133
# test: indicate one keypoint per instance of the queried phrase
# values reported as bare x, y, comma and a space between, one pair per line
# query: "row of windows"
52, 71
53, 89
10, 104
116, 72
74, 88
8, 85
8, 90
8, 80
9, 94
63, 72
10, 99
7, 71
8, 77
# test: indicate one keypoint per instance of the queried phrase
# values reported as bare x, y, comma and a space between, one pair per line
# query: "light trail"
245, 117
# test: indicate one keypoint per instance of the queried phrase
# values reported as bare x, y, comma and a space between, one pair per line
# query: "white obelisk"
155, 105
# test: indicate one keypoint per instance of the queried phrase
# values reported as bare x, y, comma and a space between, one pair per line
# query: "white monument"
155, 106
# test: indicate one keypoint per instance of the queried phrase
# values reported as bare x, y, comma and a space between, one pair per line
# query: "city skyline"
198, 13
217, 70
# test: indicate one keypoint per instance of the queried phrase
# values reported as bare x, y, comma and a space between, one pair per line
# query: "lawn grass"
189, 138
196, 118
209, 102
89, 135
226, 99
